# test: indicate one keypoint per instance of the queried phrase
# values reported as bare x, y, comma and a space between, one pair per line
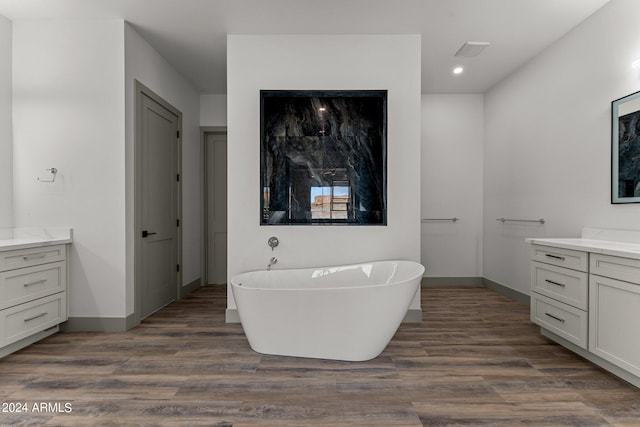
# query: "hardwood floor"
474, 360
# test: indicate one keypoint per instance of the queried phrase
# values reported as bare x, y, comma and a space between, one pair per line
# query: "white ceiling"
191, 34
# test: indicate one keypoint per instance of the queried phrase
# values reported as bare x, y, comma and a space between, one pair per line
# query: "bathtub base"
414, 315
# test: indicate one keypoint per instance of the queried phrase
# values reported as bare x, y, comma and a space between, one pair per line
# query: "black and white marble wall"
331, 141
629, 155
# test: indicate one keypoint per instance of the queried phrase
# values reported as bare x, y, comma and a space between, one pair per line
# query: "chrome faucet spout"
272, 261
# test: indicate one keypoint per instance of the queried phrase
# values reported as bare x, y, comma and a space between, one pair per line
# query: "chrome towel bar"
541, 220
454, 219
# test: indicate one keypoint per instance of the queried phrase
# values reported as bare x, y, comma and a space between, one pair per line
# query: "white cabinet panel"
26, 319
614, 322
20, 258
562, 319
562, 284
568, 258
626, 269
26, 284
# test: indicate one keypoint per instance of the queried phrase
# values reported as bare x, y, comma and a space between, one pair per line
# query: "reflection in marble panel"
323, 157
629, 155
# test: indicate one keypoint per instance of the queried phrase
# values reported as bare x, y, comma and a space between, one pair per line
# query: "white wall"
145, 64
213, 110
6, 152
548, 142
452, 145
68, 111
322, 62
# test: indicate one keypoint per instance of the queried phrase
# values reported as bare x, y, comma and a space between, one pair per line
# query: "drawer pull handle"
34, 256
555, 317
37, 282
561, 258
37, 316
562, 285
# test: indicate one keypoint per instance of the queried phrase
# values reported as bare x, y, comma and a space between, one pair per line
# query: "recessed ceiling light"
458, 70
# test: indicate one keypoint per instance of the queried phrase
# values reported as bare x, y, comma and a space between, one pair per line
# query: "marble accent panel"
323, 157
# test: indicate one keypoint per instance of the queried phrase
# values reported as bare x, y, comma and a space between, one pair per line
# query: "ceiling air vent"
471, 49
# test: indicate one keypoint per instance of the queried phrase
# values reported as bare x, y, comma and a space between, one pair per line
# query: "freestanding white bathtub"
348, 312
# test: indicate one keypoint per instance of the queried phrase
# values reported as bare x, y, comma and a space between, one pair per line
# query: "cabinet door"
614, 320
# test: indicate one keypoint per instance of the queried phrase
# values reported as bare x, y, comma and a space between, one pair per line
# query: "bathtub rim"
420, 274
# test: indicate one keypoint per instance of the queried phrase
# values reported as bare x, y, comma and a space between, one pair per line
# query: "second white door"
216, 148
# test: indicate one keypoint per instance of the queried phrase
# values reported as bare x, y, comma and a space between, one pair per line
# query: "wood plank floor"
474, 360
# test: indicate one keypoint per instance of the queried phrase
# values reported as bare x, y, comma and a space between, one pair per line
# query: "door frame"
204, 196
140, 91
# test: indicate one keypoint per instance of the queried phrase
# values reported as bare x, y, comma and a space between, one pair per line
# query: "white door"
216, 148
159, 137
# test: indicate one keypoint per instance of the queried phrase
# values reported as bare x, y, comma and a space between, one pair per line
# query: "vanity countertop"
31, 237
621, 243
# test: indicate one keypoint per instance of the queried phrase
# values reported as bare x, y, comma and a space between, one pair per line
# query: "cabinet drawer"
614, 317
626, 269
562, 284
11, 260
564, 320
26, 284
576, 260
29, 318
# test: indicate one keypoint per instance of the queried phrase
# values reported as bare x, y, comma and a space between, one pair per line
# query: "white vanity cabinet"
559, 292
585, 295
33, 292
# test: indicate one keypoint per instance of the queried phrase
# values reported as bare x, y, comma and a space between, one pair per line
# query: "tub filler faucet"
271, 262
